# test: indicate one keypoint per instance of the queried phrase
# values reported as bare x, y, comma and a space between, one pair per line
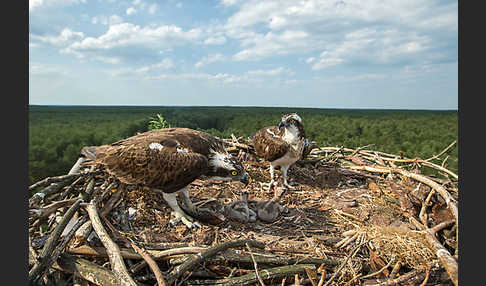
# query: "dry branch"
116, 260
190, 264
251, 278
50, 180
151, 263
87, 270
45, 257
47, 210
445, 258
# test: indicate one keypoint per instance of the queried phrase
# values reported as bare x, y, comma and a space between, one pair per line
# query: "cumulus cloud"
104, 20
33, 4
260, 46
229, 2
277, 27
39, 69
65, 36
215, 40
271, 72
152, 9
210, 59
131, 11
124, 37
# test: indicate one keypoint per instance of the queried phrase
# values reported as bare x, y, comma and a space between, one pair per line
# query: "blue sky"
314, 53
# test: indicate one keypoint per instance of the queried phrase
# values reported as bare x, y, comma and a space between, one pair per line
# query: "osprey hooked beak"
283, 124
244, 179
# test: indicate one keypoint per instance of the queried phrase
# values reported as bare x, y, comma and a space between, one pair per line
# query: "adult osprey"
283, 145
168, 160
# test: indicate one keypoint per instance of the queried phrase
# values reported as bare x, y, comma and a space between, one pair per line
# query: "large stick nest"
355, 217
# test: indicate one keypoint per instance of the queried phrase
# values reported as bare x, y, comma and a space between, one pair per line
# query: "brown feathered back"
268, 145
167, 159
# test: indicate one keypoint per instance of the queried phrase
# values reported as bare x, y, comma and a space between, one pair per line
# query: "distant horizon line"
241, 106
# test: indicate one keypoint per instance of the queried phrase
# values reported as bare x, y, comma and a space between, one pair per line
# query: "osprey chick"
281, 146
168, 160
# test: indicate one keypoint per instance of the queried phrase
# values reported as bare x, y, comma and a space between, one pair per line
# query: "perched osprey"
283, 145
168, 160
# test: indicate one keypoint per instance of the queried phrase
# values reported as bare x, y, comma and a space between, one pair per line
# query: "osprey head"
225, 167
291, 119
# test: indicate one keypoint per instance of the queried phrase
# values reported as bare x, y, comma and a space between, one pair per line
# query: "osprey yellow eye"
291, 121
234, 173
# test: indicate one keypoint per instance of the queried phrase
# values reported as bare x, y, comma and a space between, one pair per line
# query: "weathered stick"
151, 263
251, 278
443, 151
75, 168
242, 258
87, 270
157, 255
414, 277
188, 265
32, 254
116, 260
50, 180
45, 255
351, 254
47, 210
51, 189
255, 266
450, 201
445, 258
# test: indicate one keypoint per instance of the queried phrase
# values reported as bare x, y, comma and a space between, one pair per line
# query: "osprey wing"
163, 163
269, 144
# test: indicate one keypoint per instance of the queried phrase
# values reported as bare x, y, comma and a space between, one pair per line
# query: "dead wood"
351, 254
45, 258
87, 270
239, 257
50, 190
50, 180
116, 260
48, 210
444, 256
414, 277
190, 264
265, 274
255, 265
151, 263
167, 254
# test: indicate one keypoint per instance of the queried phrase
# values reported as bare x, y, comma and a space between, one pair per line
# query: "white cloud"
262, 46
210, 59
164, 64
276, 27
152, 9
33, 4
65, 37
109, 60
229, 2
131, 11
38, 69
215, 40
128, 35
272, 72
104, 20
310, 60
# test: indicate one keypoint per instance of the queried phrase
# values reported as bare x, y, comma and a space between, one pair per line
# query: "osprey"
283, 145
167, 161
